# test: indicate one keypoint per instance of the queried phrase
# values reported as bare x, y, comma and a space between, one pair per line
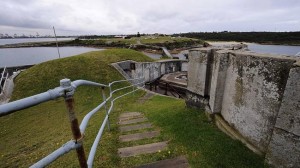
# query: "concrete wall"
248, 89
153, 70
254, 88
197, 69
149, 70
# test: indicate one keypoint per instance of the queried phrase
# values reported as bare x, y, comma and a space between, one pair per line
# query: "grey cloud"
168, 16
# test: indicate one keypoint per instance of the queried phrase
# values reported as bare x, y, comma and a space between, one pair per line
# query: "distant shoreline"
264, 38
244, 42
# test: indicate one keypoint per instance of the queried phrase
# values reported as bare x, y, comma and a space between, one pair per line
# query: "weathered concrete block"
253, 92
163, 68
284, 150
156, 70
184, 66
197, 70
138, 72
219, 69
289, 114
146, 71
194, 100
124, 64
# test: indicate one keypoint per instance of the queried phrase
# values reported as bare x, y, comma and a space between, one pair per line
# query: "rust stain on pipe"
76, 131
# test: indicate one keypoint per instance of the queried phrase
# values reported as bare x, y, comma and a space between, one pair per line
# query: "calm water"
11, 57
25, 40
259, 48
274, 49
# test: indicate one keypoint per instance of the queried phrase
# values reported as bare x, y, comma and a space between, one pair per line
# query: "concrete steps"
135, 121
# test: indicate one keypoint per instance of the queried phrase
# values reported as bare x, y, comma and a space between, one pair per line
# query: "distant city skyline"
103, 17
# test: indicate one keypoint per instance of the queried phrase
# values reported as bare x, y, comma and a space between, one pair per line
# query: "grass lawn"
164, 39
147, 40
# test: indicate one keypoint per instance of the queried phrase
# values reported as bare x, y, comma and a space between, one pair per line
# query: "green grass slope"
94, 66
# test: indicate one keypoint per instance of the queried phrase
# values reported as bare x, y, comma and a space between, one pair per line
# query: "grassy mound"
94, 66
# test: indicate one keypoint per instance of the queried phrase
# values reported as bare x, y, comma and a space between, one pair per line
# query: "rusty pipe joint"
68, 88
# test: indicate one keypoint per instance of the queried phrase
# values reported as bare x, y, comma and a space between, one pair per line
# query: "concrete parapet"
253, 93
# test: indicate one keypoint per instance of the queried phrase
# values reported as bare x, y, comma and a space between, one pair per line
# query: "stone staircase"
134, 126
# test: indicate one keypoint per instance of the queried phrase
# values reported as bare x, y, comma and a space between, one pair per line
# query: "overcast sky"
81, 17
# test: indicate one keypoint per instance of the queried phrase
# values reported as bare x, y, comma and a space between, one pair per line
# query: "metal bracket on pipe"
69, 90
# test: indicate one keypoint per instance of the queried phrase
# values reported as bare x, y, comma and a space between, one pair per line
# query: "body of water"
11, 57
274, 49
26, 40
261, 48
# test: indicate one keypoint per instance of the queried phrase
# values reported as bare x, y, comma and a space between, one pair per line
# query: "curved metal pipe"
80, 82
87, 117
67, 147
8, 108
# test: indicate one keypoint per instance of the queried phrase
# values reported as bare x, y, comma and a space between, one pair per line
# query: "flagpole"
56, 42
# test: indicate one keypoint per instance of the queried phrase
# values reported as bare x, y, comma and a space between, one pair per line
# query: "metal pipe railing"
43, 97
87, 117
30, 101
66, 90
67, 147
99, 135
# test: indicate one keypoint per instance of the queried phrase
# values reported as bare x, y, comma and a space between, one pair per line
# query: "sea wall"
252, 92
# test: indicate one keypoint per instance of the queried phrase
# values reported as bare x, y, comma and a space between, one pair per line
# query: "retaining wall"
254, 93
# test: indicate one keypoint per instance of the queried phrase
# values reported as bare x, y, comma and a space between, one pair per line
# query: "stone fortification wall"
254, 93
